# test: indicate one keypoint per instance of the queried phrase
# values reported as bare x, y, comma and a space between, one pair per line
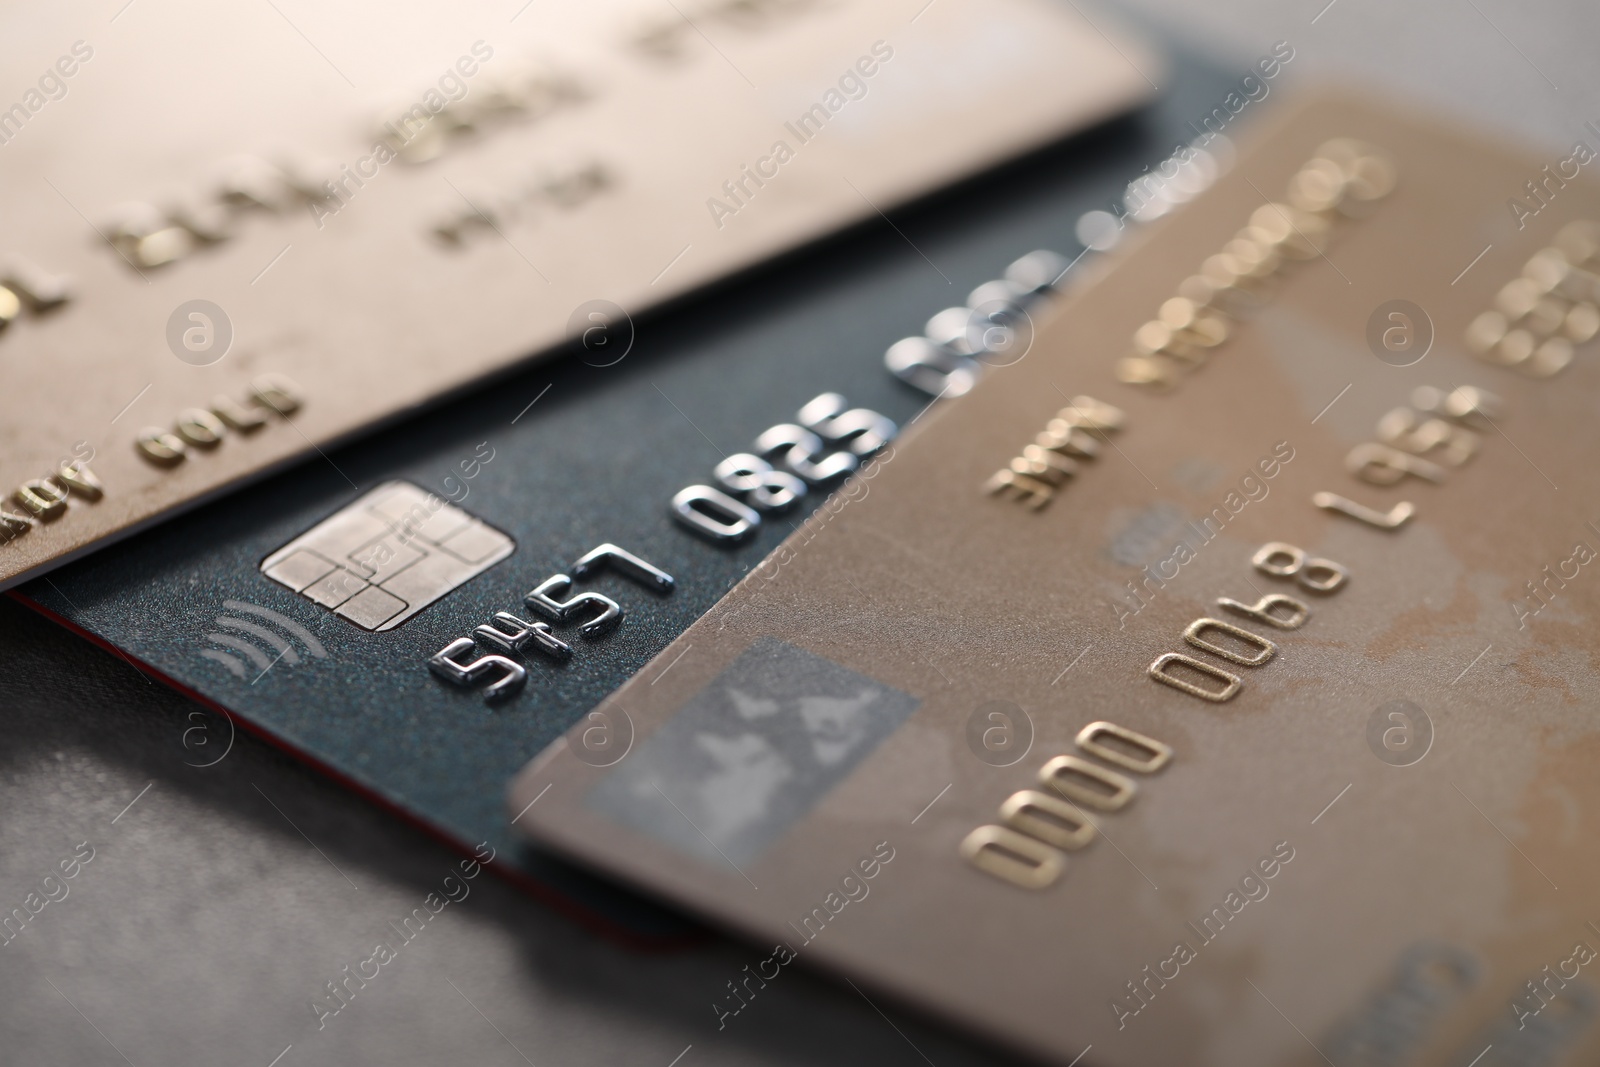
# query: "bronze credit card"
330, 226
1212, 684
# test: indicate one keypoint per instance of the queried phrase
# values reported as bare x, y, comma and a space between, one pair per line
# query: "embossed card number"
508, 635
1038, 827
828, 441
1237, 645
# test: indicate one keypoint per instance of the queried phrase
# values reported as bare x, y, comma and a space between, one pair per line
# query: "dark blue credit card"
309, 606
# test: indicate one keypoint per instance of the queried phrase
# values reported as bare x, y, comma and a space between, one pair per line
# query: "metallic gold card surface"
237, 236
1264, 736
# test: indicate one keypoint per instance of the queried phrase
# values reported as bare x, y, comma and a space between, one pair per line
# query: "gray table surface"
221, 900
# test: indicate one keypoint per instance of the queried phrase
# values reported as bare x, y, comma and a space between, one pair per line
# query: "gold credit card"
224, 255
1213, 684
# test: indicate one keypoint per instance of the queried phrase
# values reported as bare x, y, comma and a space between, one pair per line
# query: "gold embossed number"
1086, 783
1013, 857
1050, 819
1162, 670
1313, 573
1151, 755
1264, 649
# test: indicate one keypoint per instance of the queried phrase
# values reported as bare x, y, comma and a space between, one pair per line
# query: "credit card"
331, 226
1213, 684
561, 458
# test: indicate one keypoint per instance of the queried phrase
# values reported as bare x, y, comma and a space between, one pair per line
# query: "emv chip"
387, 556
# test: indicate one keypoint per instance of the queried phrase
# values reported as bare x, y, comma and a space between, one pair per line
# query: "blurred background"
221, 899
